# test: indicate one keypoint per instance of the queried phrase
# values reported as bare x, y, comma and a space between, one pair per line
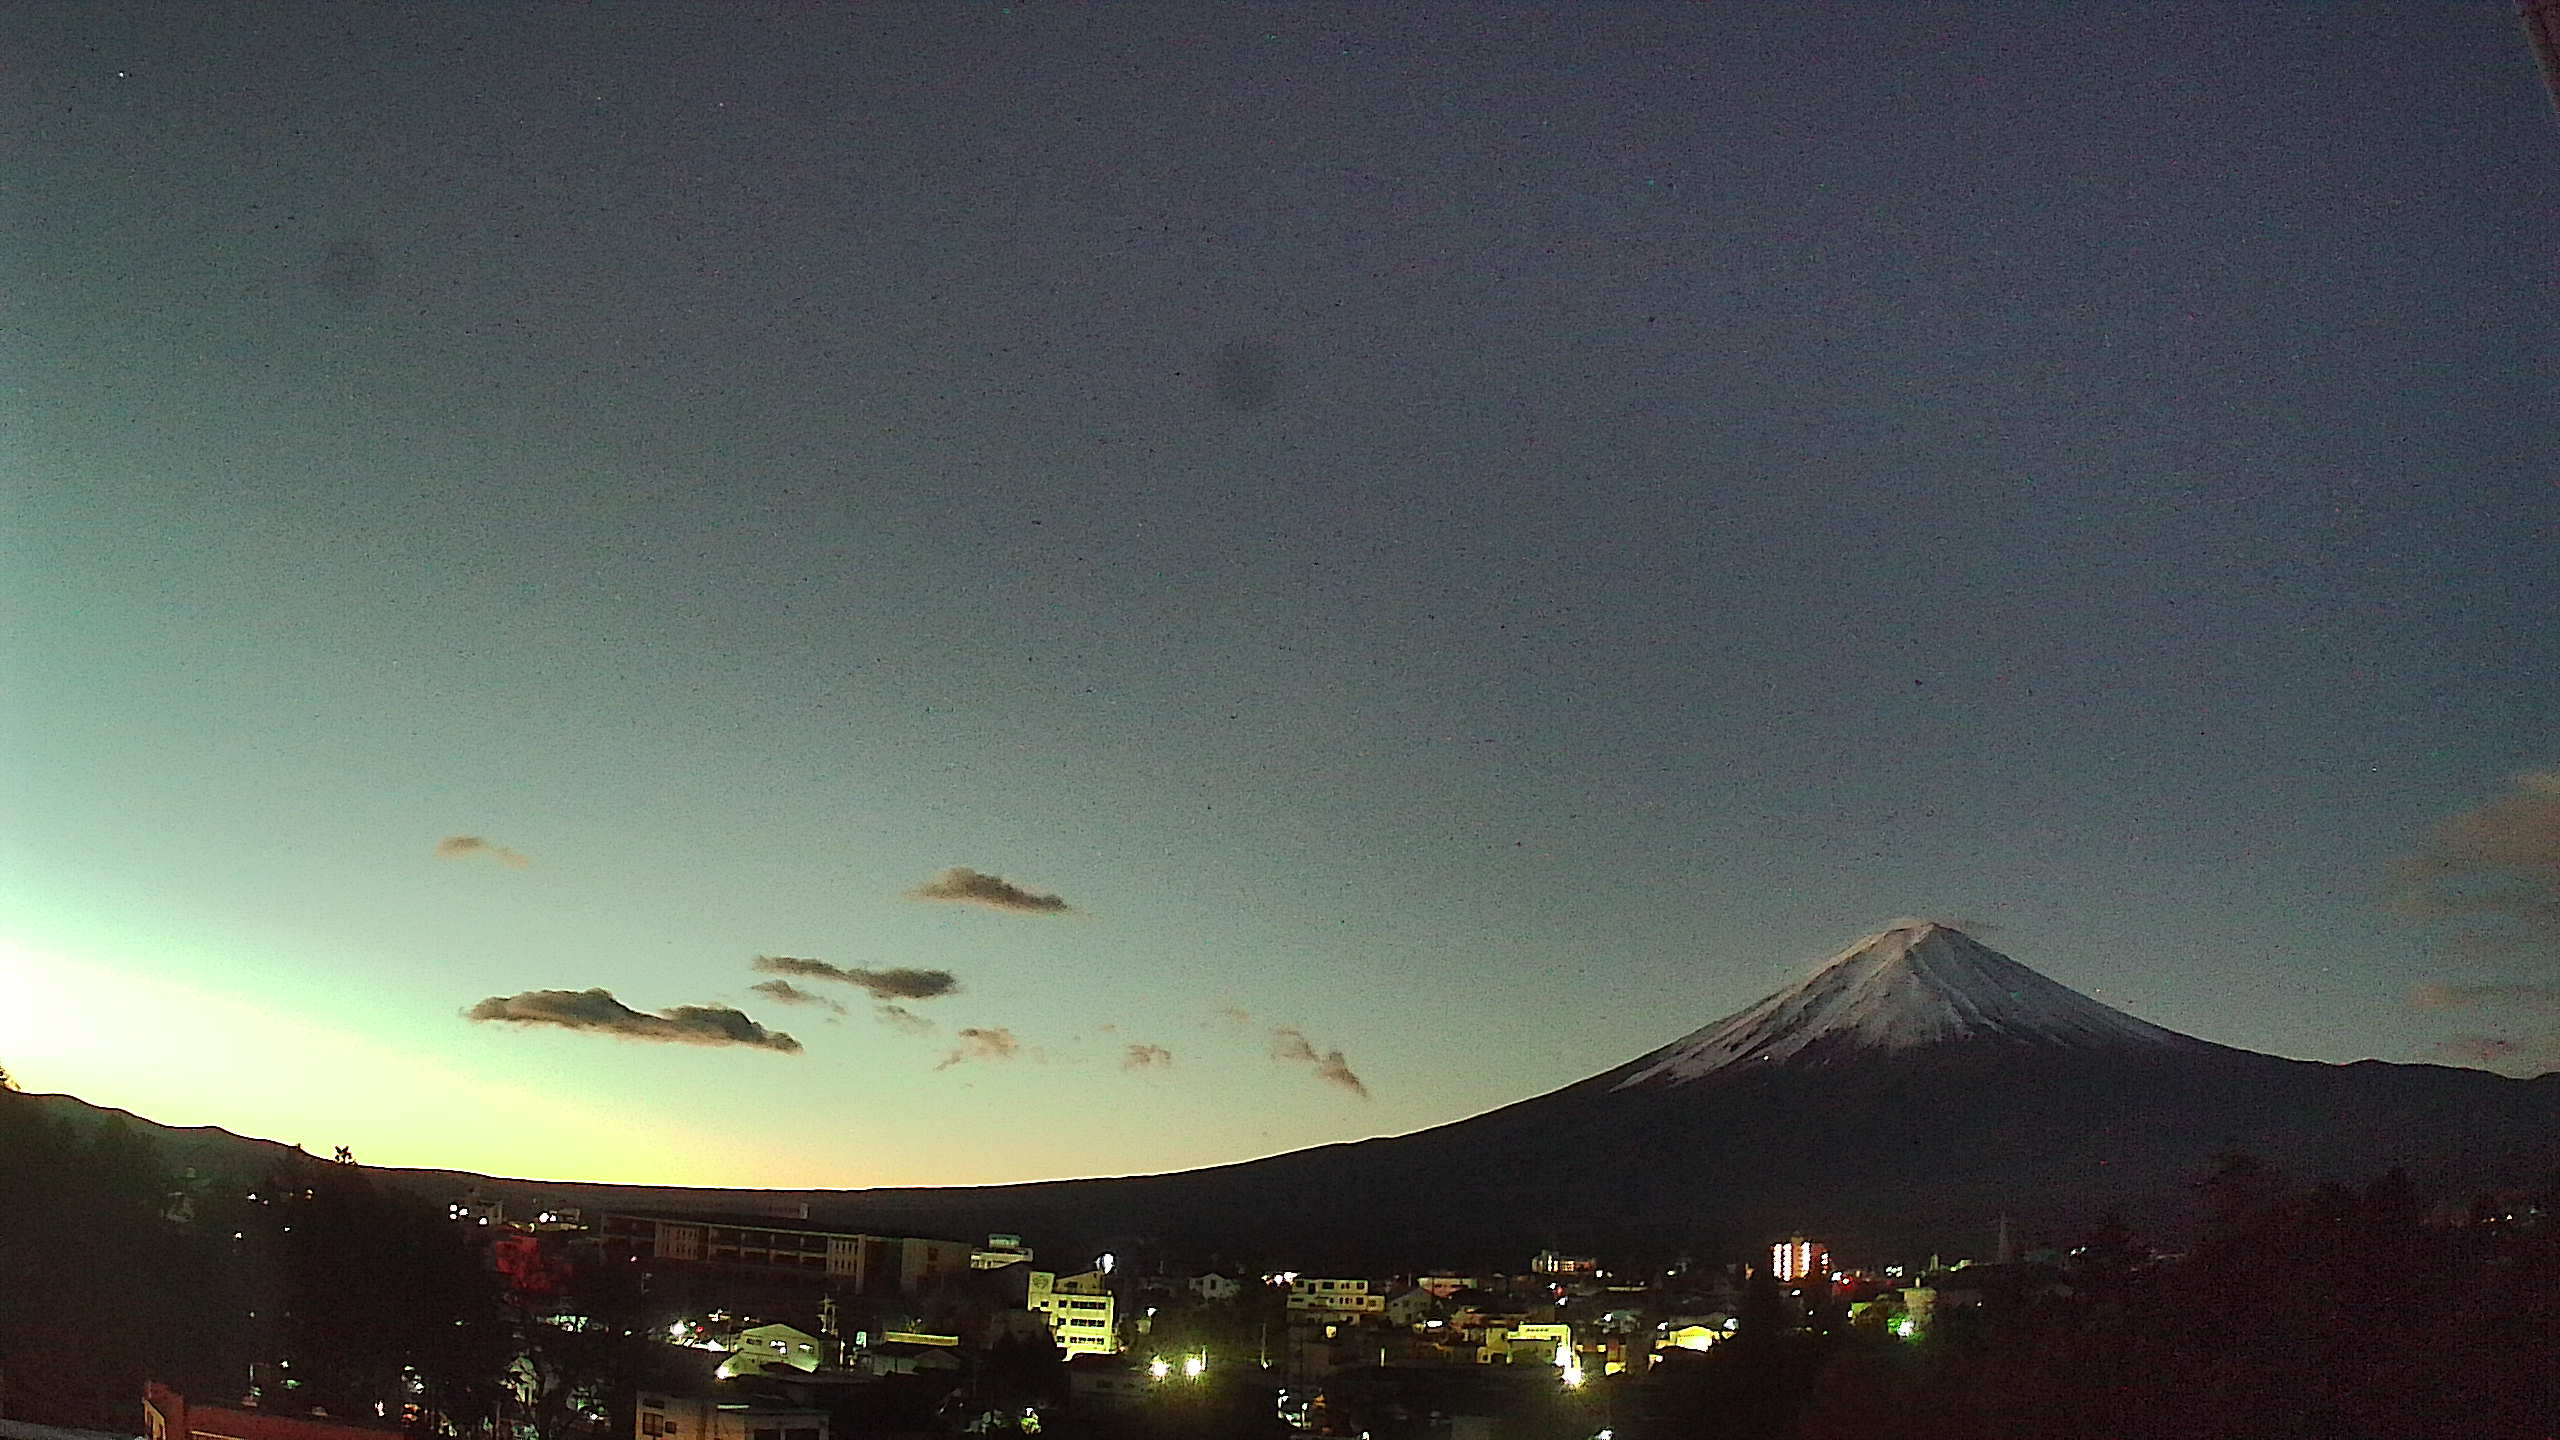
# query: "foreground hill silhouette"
1916, 1088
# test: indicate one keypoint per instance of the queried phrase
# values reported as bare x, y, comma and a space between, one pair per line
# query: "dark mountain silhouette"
1916, 1088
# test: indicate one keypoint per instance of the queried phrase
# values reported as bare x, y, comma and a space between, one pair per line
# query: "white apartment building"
1335, 1300
1083, 1317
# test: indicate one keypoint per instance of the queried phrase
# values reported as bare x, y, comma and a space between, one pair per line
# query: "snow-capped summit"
1899, 989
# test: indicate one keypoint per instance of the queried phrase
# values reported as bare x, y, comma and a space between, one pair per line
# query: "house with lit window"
1541, 1343
1333, 1301
773, 1347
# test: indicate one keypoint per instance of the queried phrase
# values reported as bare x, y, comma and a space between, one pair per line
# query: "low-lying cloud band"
599, 1012
896, 983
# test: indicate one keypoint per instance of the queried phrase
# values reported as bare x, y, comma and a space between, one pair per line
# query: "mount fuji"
1911, 1091
1903, 989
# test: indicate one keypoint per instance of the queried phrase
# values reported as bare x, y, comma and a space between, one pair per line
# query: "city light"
1159, 1368
1572, 1376
1906, 1327
1798, 1258
1192, 1365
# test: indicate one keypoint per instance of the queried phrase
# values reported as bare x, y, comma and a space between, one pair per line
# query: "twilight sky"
1185, 563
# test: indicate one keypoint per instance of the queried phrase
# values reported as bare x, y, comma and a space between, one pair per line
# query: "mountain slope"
1898, 1101
1899, 989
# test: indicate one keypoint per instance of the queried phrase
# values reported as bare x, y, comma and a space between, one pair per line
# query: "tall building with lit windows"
1796, 1258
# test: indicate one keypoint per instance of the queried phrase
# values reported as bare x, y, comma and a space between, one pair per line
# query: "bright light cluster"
1798, 1259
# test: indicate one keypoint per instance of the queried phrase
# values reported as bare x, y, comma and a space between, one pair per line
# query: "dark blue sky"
1486, 536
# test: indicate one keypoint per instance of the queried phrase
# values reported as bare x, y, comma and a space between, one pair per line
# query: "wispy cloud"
2540, 999
2531, 1042
962, 885
790, 994
1146, 1057
1290, 1045
899, 1017
976, 1043
2478, 1049
896, 983
597, 1011
464, 847
1235, 1014
2498, 861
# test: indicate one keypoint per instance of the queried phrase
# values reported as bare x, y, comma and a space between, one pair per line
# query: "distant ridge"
1914, 1089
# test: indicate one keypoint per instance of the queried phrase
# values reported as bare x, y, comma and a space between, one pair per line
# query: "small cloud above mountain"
899, 1017
465, 847
790, 994
964, 886
2540, 999
1290, 1045
2498, 861
2531, 1042
982, 1043
598, 1012
896, 983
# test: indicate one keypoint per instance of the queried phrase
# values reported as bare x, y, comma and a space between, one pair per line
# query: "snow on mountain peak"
1916, 984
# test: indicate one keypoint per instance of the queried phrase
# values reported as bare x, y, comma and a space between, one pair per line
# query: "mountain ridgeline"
1916, 1088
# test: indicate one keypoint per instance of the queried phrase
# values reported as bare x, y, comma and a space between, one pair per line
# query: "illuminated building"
846, 1261
773, 1347
1081, 1314
1545, 1343
1691, 1335
1334, 1300
1797, 1259
1551, 1263
998, 1252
